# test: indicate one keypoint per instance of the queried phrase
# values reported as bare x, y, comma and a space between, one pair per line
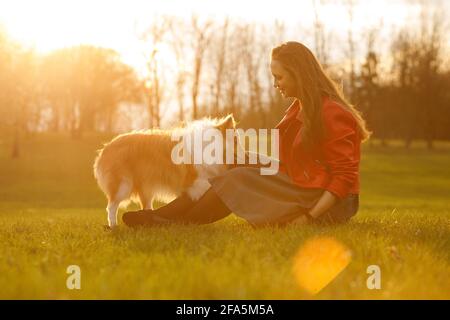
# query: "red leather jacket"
333, 164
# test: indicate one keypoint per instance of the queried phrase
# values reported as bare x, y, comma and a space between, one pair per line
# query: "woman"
318, 180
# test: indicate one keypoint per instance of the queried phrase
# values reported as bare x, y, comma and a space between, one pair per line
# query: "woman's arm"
326, 201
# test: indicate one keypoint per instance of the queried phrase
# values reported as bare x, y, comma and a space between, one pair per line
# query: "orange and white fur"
138, 166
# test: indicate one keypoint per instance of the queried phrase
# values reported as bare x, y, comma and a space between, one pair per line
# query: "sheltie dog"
139, 166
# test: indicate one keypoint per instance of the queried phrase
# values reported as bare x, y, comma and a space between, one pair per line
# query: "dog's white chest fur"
201, 184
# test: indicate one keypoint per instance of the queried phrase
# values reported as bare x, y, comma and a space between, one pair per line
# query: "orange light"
318, 262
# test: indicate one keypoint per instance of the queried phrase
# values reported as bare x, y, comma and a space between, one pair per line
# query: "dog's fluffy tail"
103, 175
105, 182
99, 173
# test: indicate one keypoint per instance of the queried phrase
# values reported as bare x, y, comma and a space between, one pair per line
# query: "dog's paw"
108, 228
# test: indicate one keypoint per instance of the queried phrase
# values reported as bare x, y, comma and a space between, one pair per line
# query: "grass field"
52, 216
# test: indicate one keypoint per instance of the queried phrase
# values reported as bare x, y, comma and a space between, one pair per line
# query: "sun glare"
49, 24
318, 262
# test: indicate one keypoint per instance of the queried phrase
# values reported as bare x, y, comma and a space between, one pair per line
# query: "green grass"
52, 215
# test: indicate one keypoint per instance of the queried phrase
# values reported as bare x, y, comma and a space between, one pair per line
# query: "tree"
84, 86
155, 36
201, 37
252, 57
178, 44
351, 50
219, 54
19, 94
320, 35
418, 75
368, 89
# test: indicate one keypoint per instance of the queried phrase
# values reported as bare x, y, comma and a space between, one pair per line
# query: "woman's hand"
326, 201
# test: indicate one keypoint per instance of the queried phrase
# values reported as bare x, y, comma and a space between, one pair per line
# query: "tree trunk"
16, 143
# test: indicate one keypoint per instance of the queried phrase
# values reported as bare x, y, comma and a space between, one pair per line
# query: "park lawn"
52, 216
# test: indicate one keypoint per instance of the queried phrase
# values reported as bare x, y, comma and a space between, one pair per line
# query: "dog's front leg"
111, 209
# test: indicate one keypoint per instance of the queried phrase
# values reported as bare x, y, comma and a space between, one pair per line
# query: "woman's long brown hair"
313, 84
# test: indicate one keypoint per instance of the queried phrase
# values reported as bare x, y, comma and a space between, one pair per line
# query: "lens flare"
318, 262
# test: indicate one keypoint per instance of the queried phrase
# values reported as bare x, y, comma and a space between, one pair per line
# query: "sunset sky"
51, 24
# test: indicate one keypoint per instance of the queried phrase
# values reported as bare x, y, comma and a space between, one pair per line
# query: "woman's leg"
207, 209
176, 207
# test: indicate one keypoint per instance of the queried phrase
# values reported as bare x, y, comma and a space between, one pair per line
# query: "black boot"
209, 208
147, 217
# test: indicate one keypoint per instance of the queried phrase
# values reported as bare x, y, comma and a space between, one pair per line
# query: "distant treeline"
205, 67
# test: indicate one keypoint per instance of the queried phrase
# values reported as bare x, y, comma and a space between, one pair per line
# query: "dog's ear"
226, 123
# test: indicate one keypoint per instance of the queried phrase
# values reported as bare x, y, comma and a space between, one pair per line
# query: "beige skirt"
274, 199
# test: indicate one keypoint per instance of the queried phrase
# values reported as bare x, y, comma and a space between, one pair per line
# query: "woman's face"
283, 80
